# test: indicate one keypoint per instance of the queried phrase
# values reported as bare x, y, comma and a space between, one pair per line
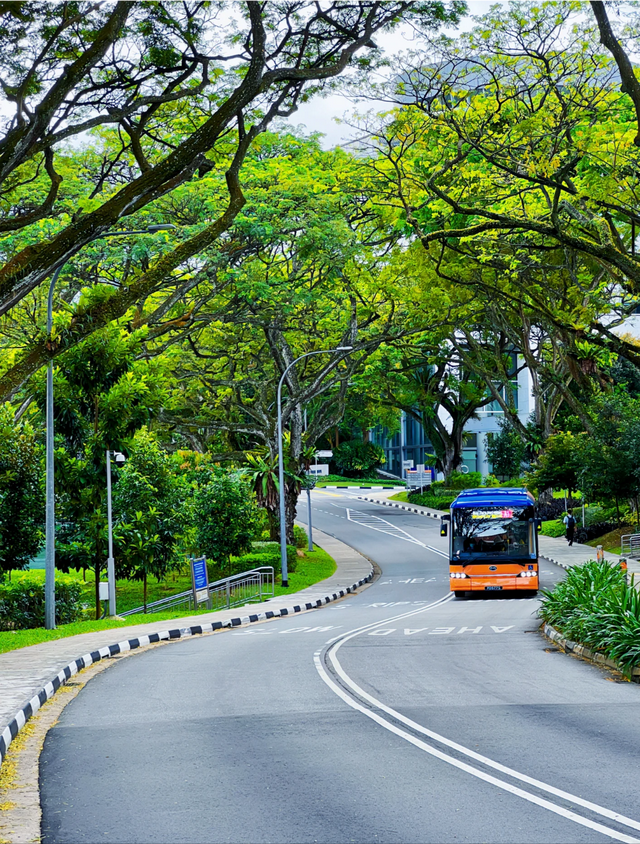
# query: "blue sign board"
200, 579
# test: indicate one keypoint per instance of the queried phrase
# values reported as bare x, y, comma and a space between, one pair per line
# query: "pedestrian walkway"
24, 672
555, 549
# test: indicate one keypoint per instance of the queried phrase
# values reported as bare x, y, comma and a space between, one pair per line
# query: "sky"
320, 113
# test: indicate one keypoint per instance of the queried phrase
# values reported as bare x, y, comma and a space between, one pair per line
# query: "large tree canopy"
168, 92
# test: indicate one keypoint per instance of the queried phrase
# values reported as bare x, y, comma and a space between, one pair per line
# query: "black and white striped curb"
435, 515
584, 652
361, 487
48, 691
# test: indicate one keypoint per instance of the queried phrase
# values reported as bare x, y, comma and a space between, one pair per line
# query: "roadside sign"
200, 580
324, 454
407, 464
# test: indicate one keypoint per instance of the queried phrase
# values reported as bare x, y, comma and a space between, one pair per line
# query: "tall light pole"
50, 517
283, 521
111, 563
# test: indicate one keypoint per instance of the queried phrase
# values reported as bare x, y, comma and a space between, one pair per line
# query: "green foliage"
225, 517
357, 458
462, 480
300, 537
553, 527
151, 510
265, 554
490, 481
22, 505
557, 466
22, 602
595, 606
506, 451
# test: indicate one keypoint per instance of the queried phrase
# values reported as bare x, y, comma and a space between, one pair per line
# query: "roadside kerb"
584, 652
352, 564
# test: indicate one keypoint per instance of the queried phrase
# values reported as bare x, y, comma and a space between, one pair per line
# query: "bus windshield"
496, 532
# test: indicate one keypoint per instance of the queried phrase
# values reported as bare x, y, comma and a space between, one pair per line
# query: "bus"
493, 541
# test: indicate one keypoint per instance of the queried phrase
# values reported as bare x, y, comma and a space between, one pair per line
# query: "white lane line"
337, 643
381, 525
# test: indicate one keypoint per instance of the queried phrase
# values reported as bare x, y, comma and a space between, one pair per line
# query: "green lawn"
400, 496
312, 568
339, 480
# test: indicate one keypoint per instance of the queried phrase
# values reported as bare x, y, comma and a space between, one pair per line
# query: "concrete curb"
435, 515
49, 690
584, 652
377, 486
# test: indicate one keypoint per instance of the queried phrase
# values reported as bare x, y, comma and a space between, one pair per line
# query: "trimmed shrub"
300, 537
460, 480
595, 606
22, 602
265, 554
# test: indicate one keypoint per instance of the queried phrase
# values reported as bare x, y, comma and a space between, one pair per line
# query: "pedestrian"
570, 526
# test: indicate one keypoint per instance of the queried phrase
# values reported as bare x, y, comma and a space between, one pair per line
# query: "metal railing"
630, 545
237, 590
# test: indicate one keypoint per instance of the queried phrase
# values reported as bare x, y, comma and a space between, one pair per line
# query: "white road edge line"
594, 807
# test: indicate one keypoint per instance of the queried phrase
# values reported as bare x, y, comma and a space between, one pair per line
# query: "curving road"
398, 715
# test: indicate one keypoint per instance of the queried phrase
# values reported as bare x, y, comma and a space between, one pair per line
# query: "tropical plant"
594, 605
225, 517
358, 459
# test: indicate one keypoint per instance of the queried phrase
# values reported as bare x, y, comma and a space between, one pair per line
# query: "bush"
438, 502
22, 602
300, 537
554, 527
490, 481
594, 605
357, 458
460, 480
265, 554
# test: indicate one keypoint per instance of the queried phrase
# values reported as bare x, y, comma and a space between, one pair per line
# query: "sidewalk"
554, 549
26, 671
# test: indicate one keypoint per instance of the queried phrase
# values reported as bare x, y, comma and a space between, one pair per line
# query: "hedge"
22, 602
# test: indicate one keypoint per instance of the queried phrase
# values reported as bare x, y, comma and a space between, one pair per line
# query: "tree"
510, 159
153, 518
225, 516
310, 272
506, 452
358, 459
21, 493
193, 101
102, 396
558, 464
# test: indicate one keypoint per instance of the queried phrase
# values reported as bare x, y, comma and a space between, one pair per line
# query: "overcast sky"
320, 113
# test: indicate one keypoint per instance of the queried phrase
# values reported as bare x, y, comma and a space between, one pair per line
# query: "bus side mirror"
443, 529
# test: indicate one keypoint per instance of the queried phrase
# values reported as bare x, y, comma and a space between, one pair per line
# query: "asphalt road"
398, 715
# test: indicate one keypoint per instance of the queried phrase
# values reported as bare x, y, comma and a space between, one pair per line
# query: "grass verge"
400, 496
311, 569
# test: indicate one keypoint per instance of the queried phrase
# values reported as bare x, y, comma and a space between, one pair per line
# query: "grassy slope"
312, 568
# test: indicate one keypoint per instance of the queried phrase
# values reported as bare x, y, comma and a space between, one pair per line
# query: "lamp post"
309, 484
111, 566
50, 515
283, 522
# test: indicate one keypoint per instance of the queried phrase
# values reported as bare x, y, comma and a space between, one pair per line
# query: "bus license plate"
492, 587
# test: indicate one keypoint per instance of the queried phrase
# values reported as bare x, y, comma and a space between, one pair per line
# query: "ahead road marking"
331, 656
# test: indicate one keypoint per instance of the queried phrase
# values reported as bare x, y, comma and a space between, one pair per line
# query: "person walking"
570, 526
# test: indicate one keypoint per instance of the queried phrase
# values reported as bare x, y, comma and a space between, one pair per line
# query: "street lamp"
283, 523
309, 484
111, 566
50, 516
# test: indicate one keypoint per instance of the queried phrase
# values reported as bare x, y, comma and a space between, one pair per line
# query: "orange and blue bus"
493, 541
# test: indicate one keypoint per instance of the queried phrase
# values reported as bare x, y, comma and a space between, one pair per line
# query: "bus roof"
494, 497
